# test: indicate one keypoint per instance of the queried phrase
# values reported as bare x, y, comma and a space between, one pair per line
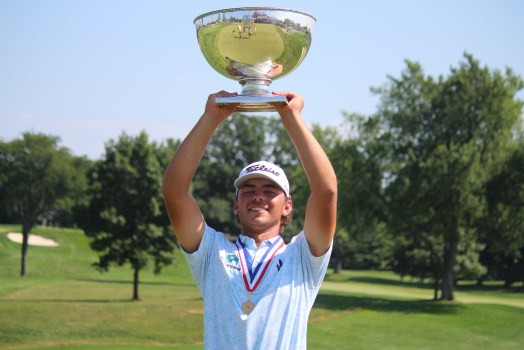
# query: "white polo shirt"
282, 299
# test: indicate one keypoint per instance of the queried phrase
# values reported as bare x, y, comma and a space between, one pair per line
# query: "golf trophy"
254, 45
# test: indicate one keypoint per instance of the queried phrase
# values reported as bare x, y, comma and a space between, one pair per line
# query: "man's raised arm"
184, 213
321, 209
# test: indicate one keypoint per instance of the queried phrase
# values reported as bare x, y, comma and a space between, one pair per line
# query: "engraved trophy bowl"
254, 46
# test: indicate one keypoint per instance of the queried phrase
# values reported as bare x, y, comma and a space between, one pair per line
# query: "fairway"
63, 303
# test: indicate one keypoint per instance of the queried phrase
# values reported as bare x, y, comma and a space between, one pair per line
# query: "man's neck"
262, 236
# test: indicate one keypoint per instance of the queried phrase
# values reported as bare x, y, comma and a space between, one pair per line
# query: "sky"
89, 70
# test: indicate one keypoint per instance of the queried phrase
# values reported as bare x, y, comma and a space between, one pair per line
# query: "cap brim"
240, 181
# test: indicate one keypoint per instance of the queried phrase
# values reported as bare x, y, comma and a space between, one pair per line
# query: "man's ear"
288, 208
235, 207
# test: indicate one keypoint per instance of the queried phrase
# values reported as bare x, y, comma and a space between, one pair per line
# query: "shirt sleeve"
198, 261
314, 267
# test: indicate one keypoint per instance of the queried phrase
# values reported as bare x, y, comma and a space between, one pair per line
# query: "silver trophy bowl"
254, 46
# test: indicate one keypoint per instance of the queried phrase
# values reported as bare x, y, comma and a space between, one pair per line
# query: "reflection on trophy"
254, 45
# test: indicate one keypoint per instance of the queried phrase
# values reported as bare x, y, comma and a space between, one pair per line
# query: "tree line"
431, 185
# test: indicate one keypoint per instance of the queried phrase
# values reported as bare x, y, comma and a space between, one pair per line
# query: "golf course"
65, 303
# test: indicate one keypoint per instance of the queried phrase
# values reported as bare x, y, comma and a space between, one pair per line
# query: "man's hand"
295, 103
217, 111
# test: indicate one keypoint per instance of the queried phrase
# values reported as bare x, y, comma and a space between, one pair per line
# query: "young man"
257, 292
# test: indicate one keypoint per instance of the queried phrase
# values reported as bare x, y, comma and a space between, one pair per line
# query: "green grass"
64, 303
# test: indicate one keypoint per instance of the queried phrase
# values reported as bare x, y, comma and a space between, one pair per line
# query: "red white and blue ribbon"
253, 275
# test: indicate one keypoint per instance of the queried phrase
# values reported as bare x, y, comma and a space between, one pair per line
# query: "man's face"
260, 205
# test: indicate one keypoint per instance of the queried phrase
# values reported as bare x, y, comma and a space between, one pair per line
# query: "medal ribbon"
255, 275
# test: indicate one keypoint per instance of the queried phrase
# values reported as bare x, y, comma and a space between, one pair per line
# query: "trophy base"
253, 103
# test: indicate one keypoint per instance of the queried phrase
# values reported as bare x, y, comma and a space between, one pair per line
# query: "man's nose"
258, 196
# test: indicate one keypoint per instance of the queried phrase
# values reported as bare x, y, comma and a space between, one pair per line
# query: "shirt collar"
250, 242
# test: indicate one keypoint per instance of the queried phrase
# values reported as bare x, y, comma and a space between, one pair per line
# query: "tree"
281, 150
446, 138
240, 140
125, 217
35, 176
419, 257
503, 224
64, 211
356, 159
279, 147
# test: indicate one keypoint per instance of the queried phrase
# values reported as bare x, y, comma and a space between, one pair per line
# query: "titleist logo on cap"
259, 167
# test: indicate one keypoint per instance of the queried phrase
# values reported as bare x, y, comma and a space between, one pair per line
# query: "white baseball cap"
265, 170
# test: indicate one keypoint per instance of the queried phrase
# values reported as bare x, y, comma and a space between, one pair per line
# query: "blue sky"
87, 71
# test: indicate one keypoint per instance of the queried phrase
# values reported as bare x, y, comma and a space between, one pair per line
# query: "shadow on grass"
345, 303
489, 288
72, 300
95, 301
176, 284
462, 286
389, 282
104, 300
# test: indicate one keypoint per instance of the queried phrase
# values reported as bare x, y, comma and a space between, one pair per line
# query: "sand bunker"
33, 240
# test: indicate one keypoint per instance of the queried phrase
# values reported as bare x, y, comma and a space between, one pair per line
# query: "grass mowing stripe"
345, 321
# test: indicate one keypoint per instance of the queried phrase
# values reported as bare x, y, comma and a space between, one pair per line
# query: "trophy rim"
250, 9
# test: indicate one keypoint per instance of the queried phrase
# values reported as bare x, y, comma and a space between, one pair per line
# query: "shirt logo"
261, 167
232, 258
279, 265
232, 262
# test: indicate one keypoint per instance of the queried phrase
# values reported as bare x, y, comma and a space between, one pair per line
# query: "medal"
257, 273
248, 306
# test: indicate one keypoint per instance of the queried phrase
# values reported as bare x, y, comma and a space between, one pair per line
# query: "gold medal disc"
247, 307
